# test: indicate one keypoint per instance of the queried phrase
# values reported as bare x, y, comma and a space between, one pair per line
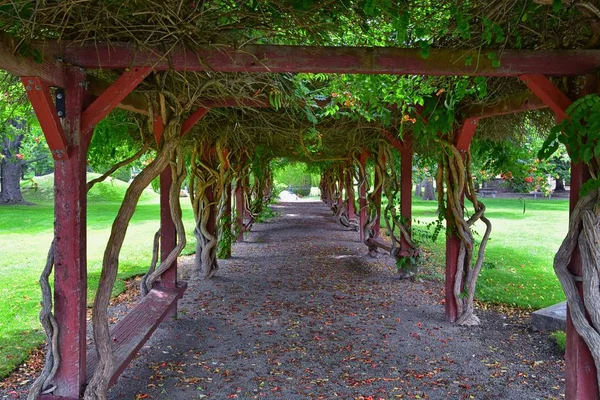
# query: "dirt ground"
300, 312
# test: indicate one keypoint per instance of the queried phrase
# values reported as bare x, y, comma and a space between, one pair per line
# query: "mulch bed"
300, 311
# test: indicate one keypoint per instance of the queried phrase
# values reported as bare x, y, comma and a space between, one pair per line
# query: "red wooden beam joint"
193, 119
466, 133
111, 97
39, 96
546, 91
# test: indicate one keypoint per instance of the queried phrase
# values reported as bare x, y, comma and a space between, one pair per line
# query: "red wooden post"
406, 154
350, 193
581, 382
70, 271
239, 209
377, 182
463, 141
362, 199
168, 232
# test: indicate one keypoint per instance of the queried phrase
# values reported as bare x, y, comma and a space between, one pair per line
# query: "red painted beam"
397, 143
50, 71
70, 276
524, 101
39, 96
543, 88
111, 97
193, 119
159, 128
349, 60
465, 133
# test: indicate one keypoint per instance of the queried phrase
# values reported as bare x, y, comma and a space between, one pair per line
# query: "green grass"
560, 338
26, 235
518, 263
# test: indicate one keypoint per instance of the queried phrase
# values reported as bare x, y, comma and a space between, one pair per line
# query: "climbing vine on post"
454, 173
398, 229
581, 134
207, 183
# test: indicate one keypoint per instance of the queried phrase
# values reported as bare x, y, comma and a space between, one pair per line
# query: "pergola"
87, 101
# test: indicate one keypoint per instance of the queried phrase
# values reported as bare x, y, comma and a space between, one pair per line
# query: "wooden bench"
130, 334
485, 192
379, 242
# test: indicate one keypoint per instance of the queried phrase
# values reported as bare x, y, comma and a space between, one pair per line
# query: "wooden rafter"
193, 119
39, 96
466, 133
519, 102
111, 97
357, 60
548, 93
49, 71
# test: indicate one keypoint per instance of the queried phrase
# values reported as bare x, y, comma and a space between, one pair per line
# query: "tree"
20, 139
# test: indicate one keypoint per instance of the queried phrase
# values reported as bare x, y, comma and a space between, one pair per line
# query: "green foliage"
294, 176
265, 214
580, 133
225, 238
560, 338
115, 138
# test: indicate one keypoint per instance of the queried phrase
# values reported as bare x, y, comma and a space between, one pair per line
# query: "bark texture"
584, 236
454, 172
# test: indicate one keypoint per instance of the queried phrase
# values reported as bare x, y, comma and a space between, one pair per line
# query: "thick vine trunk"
98, 385
584, 233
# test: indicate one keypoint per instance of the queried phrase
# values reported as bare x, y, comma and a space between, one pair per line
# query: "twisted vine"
454, 173
178, 173
42, 385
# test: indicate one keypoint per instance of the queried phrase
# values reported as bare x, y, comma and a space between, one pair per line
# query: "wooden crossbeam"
111, 97
50, 71
39, 96
345, 60
519, 102
548, 93
193, 119
466, 133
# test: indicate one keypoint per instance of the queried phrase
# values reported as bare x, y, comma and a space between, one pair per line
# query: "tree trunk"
11, 184
418, 191
560, 185
429, 193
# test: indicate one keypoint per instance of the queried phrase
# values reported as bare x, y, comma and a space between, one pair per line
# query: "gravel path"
301, 312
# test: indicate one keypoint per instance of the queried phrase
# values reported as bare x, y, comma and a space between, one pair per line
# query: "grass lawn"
26, 233
518, 263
